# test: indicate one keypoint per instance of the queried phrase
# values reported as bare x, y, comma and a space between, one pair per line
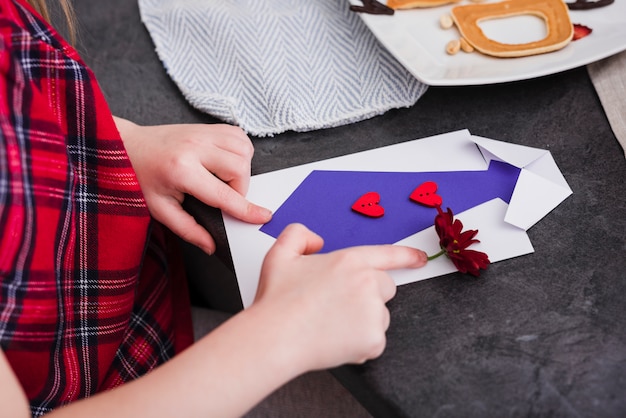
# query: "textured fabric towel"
276, 65
609, 79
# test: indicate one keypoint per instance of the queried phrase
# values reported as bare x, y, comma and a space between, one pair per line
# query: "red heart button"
426, 194
368, 205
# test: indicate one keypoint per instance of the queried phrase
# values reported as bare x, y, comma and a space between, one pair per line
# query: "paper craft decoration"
322, 202
501, 217
369, 205
426, 194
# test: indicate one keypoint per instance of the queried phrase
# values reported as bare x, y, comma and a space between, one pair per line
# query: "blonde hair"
68, 12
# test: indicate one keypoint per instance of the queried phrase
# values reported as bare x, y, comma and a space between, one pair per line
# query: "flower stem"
432, 257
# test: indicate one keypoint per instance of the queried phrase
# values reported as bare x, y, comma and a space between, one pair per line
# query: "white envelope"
502, 227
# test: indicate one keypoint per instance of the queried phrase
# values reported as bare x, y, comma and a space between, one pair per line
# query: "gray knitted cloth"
275, 65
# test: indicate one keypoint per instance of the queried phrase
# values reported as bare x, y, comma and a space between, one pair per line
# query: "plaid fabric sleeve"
85, 303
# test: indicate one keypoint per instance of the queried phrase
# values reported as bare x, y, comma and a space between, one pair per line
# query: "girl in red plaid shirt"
92, 295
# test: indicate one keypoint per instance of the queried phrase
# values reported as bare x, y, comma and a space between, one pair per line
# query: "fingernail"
208, 249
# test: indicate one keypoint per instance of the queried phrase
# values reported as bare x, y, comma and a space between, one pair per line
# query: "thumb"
293, 242
296, 239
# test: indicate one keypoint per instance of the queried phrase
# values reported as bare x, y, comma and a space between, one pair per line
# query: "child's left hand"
210, 162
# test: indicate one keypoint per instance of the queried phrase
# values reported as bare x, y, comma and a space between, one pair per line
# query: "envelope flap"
518, 155
535, 196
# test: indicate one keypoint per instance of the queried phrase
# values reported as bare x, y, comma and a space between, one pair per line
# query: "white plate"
417, 41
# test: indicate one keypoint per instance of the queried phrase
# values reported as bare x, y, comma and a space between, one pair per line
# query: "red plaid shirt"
87, 301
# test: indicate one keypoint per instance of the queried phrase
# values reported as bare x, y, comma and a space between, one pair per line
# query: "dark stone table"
539, 335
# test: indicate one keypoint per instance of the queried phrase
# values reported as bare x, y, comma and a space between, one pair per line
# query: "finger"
391, 257
380, 341
299, 240
375, 350
172, 215
229, 167
386, 319
218, 194
233, 139
387, 286
240, 184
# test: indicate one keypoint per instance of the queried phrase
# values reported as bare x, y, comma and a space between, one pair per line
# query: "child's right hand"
331, 305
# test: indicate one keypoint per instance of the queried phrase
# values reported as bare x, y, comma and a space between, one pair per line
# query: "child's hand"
210, 162
333, 305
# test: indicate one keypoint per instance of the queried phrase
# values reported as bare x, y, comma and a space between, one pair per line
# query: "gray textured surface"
540, 335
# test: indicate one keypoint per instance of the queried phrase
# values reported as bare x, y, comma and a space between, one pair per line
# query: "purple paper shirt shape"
323, 202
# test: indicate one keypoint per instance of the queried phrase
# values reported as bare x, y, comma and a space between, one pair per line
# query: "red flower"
454, 242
